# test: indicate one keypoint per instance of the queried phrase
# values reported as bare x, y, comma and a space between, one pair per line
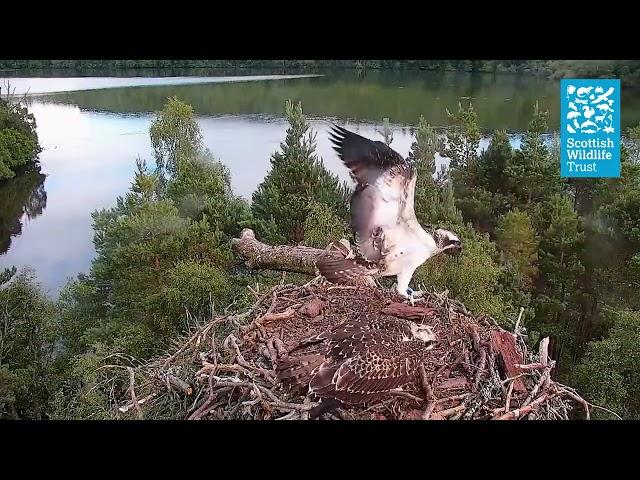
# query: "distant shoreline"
627, 70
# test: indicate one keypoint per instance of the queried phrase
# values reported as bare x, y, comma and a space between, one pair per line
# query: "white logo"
590, 110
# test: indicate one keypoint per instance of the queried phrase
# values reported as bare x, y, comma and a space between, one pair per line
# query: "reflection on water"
22, 199
91, 139
34, 86
502, 101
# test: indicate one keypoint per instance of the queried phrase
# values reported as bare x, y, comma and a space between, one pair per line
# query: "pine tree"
609, 373
423, 151
535, 163
516, 239
201, 188
559, 290
161, 251
297, 177
386, 132
463, 138
322, 226
175, 136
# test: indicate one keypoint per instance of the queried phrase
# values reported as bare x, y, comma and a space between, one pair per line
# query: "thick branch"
286, 258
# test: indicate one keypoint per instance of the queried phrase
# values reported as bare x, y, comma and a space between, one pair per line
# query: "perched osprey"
389, 239
363, 361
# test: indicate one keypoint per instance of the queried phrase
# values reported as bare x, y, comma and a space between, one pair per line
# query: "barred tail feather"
297, 372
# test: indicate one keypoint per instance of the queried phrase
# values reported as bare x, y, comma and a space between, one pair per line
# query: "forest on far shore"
627, 70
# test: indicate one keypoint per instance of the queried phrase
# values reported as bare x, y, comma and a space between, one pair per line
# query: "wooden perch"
284, 258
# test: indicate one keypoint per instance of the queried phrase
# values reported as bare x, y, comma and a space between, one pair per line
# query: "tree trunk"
285, 258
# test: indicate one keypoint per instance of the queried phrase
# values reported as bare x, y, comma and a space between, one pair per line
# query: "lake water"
93, 128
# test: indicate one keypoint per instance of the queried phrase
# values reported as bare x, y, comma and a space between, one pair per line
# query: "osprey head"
448, 242
424, 333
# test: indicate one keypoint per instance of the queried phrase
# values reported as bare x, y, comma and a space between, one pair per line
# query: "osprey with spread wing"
389, 239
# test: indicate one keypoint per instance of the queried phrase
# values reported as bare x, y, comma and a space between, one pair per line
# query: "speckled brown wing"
356, 328
363, 325
359, 370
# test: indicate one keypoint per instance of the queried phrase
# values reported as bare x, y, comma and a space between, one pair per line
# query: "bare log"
286, 258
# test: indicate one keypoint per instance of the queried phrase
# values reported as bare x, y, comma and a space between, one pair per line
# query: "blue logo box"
590, 128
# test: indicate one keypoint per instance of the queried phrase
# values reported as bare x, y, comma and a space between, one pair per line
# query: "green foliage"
197, 287
175, 136
609, 374
82, 311
18, 138
160, 258
137, 253
463, 138
483, 190
471, 172
297, 177
202, 187
27, 336
627, 70
323, 226
6, 275
86, 388
471, 277
443, 211
516, 239
632, 144
423, 151
162, 262
559, 290
535, 163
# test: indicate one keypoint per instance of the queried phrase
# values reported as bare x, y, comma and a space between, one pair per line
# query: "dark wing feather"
385, 191
336, 333
366, 159
296, 372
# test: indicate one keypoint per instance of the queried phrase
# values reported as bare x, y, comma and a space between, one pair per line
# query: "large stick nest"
226, 368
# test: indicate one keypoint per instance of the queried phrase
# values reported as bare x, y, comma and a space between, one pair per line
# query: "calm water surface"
93, 128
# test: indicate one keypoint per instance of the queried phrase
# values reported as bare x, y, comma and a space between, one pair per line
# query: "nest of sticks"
225, 369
